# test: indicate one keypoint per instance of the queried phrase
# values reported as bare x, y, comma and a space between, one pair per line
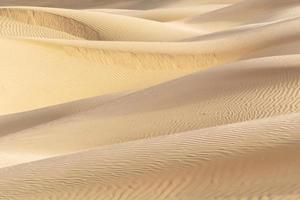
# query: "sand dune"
225, 95
90, 76
28, 119
139, 64
135, 99
235, 161
248, 12
166, 14
97, 25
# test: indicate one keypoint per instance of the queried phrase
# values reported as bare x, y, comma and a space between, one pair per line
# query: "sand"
154, 100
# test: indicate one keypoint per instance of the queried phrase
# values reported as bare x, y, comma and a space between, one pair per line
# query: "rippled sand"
150, 100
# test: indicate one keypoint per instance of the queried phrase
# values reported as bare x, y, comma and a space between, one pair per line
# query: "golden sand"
150, 100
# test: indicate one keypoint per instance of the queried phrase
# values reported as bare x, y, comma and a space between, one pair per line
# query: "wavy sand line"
140, 99
219, 96
236, 161
97, 26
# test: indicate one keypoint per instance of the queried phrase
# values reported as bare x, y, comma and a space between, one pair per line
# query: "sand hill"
151, 100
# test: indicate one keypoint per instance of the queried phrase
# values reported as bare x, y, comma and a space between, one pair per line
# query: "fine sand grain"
150, 100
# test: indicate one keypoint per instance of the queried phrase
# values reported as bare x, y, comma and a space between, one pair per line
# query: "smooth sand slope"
257, 159
247, 12
123, 66
224, 95
135, 99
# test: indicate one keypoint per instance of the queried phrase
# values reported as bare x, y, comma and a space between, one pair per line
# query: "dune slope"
235, 161
224, 95
136, 99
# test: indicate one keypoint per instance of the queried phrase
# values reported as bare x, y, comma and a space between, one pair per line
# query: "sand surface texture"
150, 100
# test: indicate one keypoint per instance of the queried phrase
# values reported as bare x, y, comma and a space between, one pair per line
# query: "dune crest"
152, 100
197, 165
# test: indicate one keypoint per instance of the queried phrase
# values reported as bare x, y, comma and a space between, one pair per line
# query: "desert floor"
150, 100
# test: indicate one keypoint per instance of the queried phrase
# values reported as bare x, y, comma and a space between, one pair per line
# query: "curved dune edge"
97, 25
223, 95
146, 64
168, 14
104, 74
192, 165
246, 12
14, 28
53, 21
151, 100
45, 115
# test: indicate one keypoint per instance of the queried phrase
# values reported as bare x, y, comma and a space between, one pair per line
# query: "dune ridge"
135, 99
203, 159
227, 94
97, 26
